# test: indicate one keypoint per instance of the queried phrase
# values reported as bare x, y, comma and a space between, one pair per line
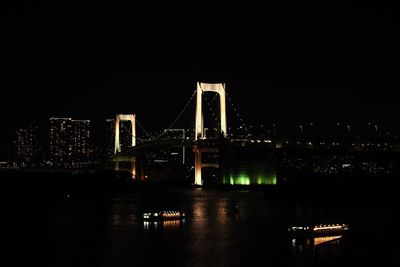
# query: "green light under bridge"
246, 180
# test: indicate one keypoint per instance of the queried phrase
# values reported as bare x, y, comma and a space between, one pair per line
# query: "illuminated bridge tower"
117, 147
122, 117
218, 88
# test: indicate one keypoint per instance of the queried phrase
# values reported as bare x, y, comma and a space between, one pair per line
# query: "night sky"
280, 63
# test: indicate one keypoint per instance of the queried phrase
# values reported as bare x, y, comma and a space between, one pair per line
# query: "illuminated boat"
318, 230
165, 215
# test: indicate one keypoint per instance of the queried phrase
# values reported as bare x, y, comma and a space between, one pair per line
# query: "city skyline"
81, 142
199, 135
290, 65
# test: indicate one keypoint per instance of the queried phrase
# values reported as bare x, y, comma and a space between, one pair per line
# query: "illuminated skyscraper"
69, 143
61, 142
81, 146
108, 141
26, 147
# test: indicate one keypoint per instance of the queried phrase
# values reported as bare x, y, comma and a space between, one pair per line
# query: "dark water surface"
222, 228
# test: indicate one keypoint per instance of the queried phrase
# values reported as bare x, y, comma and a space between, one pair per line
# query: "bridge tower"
219, 88
117, 147
124, 117
199, 127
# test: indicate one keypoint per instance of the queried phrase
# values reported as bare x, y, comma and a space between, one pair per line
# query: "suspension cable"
240, 117
157, 136
141, 127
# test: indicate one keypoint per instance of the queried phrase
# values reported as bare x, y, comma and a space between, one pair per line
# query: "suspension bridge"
194, 140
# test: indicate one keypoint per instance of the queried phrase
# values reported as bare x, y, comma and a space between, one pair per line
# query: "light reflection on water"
222, 228
317, 250
170, 225
324, 239
123, 220
316, 241
222, 212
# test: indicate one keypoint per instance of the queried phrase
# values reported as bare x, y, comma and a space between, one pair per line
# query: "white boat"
318, 230
163, 215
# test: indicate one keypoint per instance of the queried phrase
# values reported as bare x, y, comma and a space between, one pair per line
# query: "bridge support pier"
197, 167
198, 164
131, 169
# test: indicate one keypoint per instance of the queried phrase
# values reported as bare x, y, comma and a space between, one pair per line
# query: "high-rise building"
109, 137
61, 142
81, 145
26, 146
70, 145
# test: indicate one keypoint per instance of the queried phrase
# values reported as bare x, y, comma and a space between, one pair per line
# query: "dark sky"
280, 63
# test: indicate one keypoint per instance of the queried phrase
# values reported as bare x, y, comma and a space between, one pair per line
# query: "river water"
222, 228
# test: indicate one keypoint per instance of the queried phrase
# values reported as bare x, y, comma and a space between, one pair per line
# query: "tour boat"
163, 215
319, 230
